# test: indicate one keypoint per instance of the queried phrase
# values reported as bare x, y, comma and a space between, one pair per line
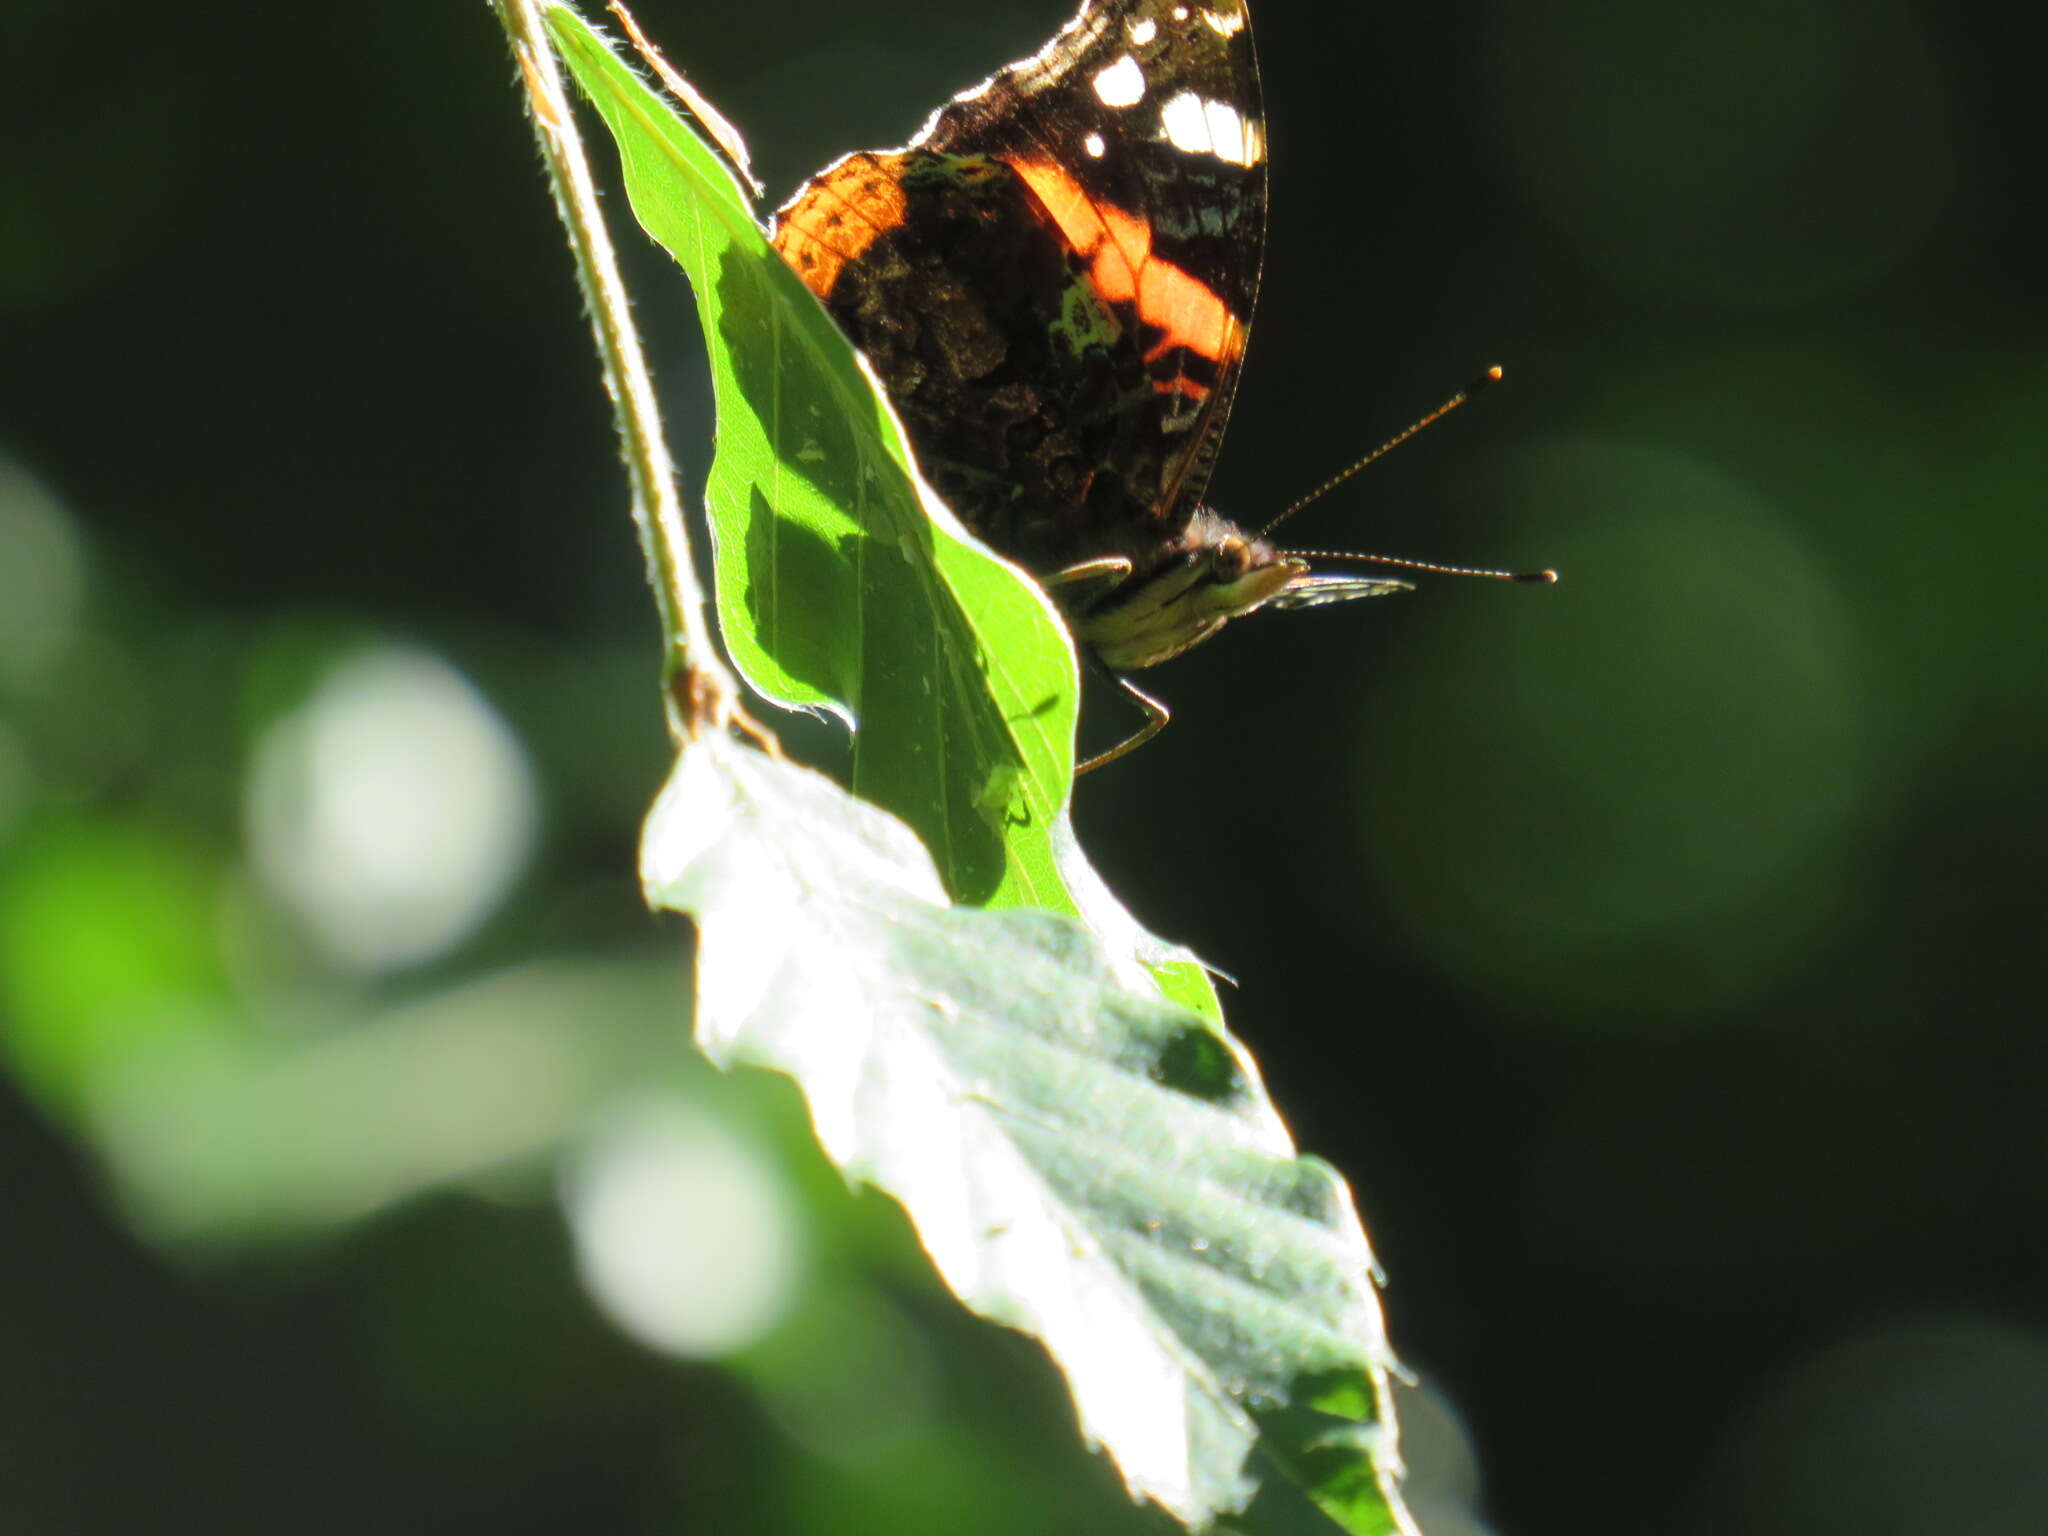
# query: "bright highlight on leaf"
1088, 1163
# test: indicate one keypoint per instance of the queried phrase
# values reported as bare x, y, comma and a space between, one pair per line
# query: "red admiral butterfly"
1054, 281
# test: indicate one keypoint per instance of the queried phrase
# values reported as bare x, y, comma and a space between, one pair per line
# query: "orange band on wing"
1118, 246
839, 215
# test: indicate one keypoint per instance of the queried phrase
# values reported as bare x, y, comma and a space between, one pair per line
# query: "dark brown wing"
1055, 279
1145, 123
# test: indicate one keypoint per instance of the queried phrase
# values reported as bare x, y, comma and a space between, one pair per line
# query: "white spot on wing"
1228, 23
1142, 32
1121, 84
1094, 145
1197, 126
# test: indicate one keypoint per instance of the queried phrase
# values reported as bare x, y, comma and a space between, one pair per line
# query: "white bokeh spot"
392, 810
684, 1232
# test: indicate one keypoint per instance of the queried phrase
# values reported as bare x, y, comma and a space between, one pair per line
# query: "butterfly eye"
1231, 558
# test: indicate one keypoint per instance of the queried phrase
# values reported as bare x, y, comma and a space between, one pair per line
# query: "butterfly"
1054, 281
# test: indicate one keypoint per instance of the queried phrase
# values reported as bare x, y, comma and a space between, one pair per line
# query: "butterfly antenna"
1536, 578
1492, 375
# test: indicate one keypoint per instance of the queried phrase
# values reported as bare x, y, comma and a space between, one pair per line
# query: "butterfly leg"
1156, 716
1079, 587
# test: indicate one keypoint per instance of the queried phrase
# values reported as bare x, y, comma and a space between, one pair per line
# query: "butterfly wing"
1055, 279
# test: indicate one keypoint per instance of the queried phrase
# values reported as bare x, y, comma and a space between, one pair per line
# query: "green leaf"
842, 583
1082, 1159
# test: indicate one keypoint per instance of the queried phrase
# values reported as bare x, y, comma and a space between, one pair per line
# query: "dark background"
1657, 954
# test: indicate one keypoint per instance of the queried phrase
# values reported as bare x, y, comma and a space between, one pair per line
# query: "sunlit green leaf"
1082, 1159
841, 584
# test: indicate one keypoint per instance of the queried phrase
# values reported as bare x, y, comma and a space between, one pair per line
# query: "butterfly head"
1212, 573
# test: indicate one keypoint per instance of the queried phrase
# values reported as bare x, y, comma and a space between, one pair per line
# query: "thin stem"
702, 693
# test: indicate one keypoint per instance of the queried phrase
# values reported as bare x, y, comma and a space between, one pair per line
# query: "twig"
702, 694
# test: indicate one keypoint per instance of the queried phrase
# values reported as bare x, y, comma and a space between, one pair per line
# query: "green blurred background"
1658, 954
